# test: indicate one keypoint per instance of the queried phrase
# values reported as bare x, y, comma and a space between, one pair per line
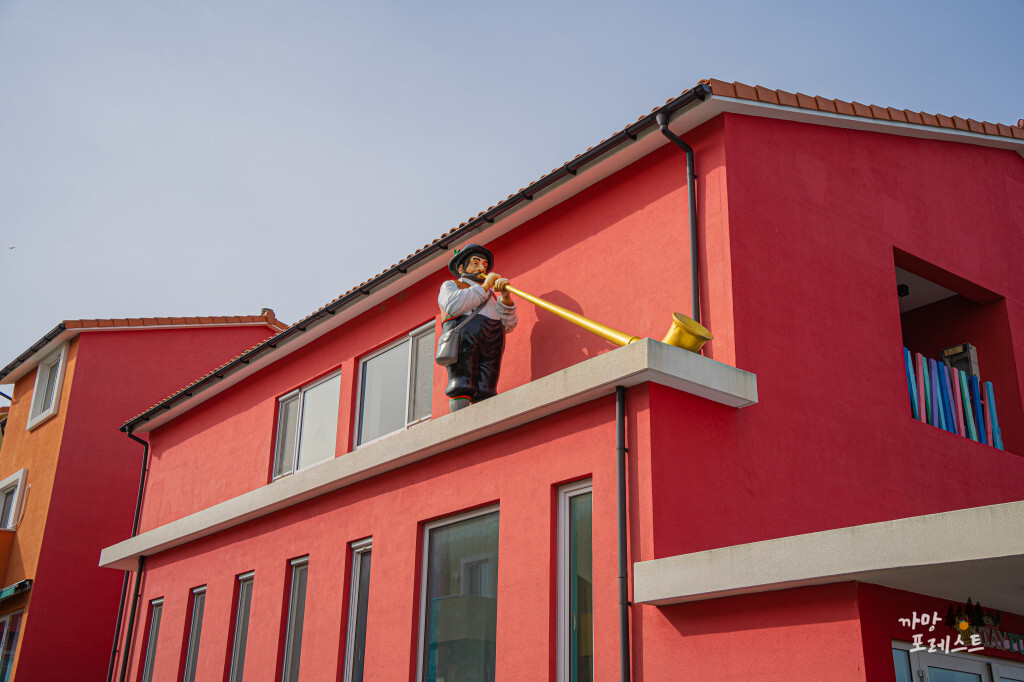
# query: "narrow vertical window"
195, 629
459, 605
243, 597
11, 494
296, 615
359, 594
395, 385
575, 584
10, 628
152, 634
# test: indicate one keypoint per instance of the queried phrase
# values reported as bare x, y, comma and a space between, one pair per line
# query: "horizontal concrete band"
637, 363
976, 553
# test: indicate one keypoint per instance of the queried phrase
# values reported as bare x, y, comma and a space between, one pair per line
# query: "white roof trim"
975, 553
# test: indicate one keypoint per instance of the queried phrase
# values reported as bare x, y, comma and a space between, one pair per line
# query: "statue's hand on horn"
497, 283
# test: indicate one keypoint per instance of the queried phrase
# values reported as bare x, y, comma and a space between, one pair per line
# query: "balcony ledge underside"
975, 553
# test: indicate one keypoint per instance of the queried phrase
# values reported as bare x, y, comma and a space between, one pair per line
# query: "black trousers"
475, 374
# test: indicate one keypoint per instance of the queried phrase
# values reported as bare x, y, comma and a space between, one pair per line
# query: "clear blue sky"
205, 158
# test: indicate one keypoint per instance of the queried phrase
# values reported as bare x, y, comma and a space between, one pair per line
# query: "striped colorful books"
952, 400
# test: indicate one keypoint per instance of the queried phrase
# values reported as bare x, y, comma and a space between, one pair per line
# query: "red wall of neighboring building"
117, 374
814, 216
519, 470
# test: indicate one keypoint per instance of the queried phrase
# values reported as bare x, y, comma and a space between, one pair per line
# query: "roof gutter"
33, 349
629, 134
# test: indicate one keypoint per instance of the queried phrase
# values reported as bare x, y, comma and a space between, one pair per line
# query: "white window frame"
148, 660
289, 636
990, 669
16, 481
425, 569
565, 493
422, 330
300, 393
358, 549
238, 650
195, 632
52, 363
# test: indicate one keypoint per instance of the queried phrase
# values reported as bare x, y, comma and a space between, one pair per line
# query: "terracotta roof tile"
879, 113
991, 128
745, 91
897, 115
787, 99
944, 121
766, 95
806, 101
1018, 132
861, 110
960, 123
930, 119
826, 105
844, 107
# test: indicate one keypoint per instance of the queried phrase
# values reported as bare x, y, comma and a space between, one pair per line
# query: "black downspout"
131, 619
124, 585
691, 192
620, 469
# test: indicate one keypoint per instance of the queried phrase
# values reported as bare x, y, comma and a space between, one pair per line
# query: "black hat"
460, 256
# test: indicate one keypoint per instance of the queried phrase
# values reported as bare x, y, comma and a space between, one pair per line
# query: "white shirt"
455, 301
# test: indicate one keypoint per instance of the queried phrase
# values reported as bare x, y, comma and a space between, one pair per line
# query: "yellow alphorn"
685, 333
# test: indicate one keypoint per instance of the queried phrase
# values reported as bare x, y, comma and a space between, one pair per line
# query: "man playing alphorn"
474, 376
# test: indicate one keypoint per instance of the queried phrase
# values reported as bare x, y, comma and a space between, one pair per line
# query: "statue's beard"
476, 276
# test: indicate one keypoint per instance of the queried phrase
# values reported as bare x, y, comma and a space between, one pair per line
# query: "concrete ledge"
976, 553
644, 361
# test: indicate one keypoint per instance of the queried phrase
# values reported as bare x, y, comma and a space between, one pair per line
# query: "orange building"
68, 479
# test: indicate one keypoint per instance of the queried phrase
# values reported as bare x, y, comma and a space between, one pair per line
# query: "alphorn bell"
686, 333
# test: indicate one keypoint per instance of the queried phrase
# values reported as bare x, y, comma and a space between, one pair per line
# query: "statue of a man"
474, 376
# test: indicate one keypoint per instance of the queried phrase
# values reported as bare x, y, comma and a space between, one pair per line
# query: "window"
155, 609
243, 597
10, 627
575, 583
195, 629
12, 493
307, 425
395, 385
46, 394
913, 665
459, 605
296, 615
359, 594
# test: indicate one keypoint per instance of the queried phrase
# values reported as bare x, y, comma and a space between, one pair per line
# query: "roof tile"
806, 101
745, 91
879, 113
960, 123
861, 110
766, 95
787, 99
913, 117
897, 115
975, 126
828, 105
945, 121
844, 108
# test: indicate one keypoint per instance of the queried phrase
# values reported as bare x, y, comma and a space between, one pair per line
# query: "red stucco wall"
519, 470
116, 375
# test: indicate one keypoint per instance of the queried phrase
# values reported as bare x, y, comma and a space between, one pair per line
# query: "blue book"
948, 404
997, 434
926, 399
976, 400
940, 419
908, 365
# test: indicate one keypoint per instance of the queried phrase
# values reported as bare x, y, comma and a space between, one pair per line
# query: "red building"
785, 508
69, 480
